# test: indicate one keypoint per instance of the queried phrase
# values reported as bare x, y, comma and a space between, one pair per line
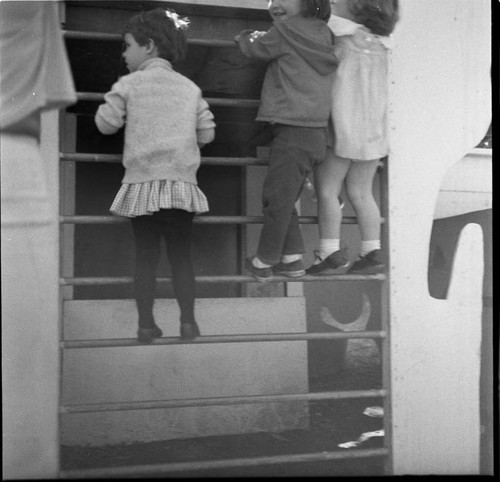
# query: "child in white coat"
359, 137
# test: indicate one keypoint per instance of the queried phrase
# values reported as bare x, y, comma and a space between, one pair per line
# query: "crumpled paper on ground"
363, 438
374, 412
377, 412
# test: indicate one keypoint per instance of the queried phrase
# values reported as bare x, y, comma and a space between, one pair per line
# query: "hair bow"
180, 23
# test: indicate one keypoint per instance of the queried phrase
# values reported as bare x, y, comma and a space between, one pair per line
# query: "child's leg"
291, 264
294, 152
147, 254
177, 229
329, 177
359, 187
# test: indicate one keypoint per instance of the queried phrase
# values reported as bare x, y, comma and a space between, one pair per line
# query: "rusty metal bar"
209, 161
218, 339
158, 469
100, 281
220, 102
113, 37
217, 401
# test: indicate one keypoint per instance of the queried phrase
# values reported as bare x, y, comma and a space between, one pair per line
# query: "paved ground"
331, 423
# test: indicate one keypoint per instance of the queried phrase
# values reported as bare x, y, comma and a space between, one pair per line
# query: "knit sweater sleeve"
111, 115
205, 125
260, 45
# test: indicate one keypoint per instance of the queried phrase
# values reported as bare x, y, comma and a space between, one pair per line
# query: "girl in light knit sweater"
166, 122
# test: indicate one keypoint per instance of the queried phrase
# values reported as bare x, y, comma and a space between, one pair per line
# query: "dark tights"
174, 225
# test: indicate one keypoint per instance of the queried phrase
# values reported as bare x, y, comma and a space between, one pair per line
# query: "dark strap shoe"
189, 331
295, 269
371, 263
146, 335
336, 263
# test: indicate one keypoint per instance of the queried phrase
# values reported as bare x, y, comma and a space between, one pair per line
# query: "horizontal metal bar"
197, 220
217, 401
80, 35
100, 281
220, 102
219, 339
158, 469
113, 37
209, 161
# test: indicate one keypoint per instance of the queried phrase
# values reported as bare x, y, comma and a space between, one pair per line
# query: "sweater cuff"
205, 136
104, 126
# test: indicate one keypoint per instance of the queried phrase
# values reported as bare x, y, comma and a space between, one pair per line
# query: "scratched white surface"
440, 109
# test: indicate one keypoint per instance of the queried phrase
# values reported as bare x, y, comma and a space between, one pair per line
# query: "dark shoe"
371, 263
260, 274
295, 269
146, 335
189, 331
336, 263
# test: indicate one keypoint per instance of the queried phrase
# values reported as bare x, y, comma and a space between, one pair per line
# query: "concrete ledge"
186, 371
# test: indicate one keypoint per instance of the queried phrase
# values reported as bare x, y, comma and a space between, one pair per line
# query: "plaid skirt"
143, 199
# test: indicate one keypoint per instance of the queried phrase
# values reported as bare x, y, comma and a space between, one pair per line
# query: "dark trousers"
295, 152
174, 225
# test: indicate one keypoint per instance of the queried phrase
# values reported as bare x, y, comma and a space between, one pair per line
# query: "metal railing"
218, 339
158, 469
169, 468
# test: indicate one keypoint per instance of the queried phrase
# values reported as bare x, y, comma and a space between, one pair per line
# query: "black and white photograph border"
374, 373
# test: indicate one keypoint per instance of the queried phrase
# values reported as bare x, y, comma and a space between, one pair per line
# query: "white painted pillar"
440, 108
30, 305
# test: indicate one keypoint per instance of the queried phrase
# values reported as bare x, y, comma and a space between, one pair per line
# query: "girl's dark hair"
162, 26
318, 8
380, 16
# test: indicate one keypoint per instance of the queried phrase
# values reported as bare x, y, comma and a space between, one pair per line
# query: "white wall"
440, 108
30, 308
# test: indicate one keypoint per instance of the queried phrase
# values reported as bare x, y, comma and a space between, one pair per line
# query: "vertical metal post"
67, 200
384, 314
